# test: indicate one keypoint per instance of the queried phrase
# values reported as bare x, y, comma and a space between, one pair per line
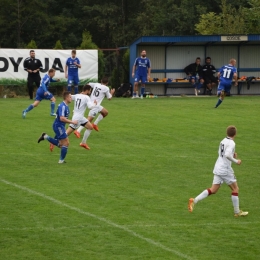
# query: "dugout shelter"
169, 56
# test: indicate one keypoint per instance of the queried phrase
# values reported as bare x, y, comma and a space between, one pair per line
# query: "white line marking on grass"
110, 223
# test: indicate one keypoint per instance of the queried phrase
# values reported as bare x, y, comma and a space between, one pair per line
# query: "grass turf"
127, 197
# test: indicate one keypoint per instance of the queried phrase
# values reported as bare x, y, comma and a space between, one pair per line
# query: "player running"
100, 91
43, 93
61, 138
225, 76
223, 172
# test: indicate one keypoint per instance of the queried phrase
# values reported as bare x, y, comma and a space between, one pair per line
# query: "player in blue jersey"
141, 71
71, 71
61, 138
226, 75
43, 93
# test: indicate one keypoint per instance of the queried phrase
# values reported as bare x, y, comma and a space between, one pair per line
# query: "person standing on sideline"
61, 138
141, 71
71, 71
194, 72
223, 172
100, 91
226, 75
32, 66
208, 74
43, 93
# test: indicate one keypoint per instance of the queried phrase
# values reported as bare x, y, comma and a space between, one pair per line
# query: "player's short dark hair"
104, 80
73, 51
231, 131
86, 87
65, 94
31, 51
198, 58
51, 70
208, 58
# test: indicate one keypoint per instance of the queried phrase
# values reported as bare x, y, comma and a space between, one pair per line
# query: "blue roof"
200, 39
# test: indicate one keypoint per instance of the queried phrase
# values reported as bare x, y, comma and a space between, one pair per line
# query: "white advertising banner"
11, 62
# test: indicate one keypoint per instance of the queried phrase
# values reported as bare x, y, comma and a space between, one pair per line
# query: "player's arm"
230, 156
109, 94
134, 68
187, 70
40, 66
66, 120
149, 70
235, 78
66, 69
25, 66
78, 64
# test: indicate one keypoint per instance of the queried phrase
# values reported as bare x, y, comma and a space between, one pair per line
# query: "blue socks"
63, 152
142, 91
219, 102
76, 90
69, 88
53, 141
52, 107
29, 108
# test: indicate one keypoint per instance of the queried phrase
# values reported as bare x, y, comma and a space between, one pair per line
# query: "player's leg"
143, 80
199, 84
193, 83
54, 141
53, 100
70, 80
217, 181
220, 94
87, 133
76, 84
91, 116
64, 145
102, 114
234, 197
30, 87
135, 93
32, 106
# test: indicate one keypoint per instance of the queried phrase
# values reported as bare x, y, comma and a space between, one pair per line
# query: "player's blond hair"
231, 131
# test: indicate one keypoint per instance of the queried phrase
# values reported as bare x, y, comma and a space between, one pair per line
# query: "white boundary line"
110, 223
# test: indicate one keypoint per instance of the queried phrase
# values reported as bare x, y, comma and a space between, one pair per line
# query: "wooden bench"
174, 84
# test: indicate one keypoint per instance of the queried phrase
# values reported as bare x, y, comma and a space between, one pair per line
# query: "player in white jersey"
223, 172
100, 91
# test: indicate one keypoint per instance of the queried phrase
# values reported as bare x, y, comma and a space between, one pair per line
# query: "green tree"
229, 21
58, 45
31, 45
252, 16
88, 44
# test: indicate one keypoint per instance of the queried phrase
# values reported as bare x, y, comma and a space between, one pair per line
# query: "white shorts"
228, 179
94, 111
81, 121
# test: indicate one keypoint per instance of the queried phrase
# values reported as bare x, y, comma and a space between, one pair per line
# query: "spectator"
208, 71
194, 72
32, 66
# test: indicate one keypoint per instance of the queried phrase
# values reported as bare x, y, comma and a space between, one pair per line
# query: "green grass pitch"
127, 197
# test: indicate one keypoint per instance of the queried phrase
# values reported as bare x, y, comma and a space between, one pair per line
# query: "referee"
32, 66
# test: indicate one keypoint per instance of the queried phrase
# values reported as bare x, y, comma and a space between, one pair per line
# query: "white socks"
235, 201
86, 135
99, 118
204, 194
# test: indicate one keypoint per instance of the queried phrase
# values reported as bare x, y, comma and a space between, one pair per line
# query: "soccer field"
127, 197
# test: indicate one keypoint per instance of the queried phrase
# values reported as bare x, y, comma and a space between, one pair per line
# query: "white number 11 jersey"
81, 102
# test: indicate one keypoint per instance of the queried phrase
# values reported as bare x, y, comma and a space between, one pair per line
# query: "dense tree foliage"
116, 23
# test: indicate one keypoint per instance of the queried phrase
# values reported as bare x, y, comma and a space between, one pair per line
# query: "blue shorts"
60, 131
40, 95
142, 78
223, 87
73, 79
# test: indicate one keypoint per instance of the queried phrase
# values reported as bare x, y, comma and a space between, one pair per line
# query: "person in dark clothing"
194, 72
208, 71
32, 66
